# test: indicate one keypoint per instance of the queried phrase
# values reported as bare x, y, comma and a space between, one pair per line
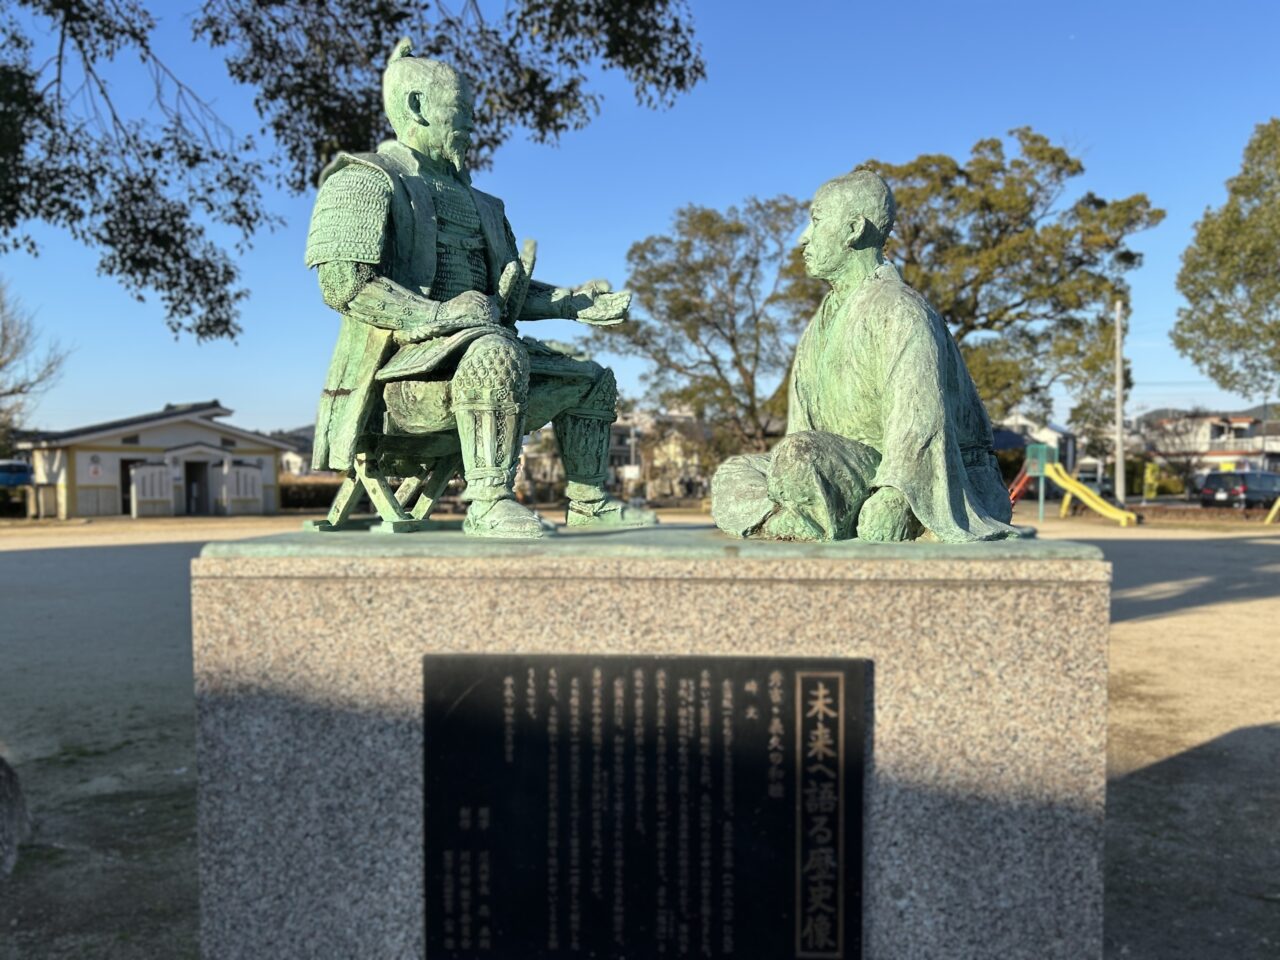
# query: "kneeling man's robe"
881, 370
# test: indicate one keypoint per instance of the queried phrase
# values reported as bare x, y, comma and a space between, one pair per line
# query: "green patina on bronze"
887, 439
429, 375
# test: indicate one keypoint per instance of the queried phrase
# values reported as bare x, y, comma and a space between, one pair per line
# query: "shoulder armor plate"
349, 221
489, 200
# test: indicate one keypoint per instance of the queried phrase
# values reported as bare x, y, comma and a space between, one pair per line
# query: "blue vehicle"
1243, 490
15, 473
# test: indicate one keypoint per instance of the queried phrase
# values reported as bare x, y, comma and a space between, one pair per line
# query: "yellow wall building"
176, 461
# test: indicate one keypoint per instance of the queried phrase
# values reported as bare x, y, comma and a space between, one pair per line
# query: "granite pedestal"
985, 781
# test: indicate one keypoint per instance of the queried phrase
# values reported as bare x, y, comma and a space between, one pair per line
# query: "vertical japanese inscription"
553, 809
614, 807
820, 826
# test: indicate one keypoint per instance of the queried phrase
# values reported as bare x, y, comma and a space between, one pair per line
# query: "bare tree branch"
25, 368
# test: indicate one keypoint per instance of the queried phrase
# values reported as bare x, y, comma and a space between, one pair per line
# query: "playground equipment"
1039, 456
1042, 462
1074, 488
1019, 485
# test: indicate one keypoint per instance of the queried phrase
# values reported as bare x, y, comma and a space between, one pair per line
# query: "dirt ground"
96, 716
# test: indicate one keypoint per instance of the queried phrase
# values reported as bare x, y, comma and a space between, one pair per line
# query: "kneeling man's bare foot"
786, 524
886, 517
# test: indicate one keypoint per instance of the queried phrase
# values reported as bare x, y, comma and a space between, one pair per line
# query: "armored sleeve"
349, 221
381, 302
545, 302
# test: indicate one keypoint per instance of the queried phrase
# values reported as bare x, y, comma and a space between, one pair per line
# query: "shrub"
313, 493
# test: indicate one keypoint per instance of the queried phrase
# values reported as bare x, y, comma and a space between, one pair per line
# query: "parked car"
1241, 490
14, 473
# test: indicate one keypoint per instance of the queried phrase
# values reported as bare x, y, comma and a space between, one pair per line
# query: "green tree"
149, 185
1023, 279
1088, 365
720, 301
1022, 275
1230, 277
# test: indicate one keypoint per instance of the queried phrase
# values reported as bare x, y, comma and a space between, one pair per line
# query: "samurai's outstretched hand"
596, 304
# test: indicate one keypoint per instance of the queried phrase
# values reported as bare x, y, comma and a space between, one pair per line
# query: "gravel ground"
95, 714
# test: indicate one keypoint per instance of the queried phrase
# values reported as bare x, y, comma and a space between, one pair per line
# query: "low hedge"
309, 494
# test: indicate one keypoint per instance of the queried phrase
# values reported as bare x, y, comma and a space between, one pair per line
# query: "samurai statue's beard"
454, 153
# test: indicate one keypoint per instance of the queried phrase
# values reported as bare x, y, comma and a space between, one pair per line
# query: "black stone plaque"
624, 807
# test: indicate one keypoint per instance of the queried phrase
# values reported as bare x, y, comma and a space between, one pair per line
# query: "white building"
176, 461
1216, 441
1033, 431
296, 461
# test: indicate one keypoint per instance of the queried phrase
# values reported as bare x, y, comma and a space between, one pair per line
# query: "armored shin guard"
491, 432
583, 435
490, 390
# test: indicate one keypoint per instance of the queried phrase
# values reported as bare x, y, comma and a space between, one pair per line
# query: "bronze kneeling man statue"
887, 438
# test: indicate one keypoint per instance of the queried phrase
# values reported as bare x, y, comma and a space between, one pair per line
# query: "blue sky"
1155, 97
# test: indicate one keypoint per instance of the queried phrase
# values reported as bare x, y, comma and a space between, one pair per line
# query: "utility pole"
1266, 415
1119, 482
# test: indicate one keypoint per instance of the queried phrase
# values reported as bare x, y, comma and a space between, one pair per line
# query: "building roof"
300, 439
1253, 414
1023, 425
1007, 439
204, 411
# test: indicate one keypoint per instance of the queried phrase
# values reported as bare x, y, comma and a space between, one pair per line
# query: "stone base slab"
985, 785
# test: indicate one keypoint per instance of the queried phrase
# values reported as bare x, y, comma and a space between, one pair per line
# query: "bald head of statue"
851, 213
429, 105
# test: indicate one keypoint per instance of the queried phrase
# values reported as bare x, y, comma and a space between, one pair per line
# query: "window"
132, 439
228, 442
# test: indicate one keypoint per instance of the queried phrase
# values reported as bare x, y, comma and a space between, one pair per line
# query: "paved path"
95, 709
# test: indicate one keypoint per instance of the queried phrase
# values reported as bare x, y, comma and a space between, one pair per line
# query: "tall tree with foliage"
1023, 275
1023, 278
720, 301
1230, 277
149, 185
1089, 375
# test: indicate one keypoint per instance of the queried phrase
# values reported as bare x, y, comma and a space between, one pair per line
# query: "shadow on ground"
96, 710
1151, 581
1193, 853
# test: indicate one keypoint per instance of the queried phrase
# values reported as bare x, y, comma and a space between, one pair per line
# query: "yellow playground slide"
1074, 488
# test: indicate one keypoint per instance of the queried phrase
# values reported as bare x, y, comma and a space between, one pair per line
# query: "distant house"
657, 455
1016, 431
296, 461
1032, 431
673, 462
178, 460
1216, 441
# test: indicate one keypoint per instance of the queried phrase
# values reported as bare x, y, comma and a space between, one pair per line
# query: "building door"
126, 483
195, 488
